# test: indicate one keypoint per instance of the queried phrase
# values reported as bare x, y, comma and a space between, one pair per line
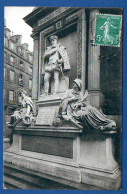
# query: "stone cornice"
36, 14
52, 18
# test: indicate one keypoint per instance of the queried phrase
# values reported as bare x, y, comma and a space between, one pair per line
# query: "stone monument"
71, 141
27, 113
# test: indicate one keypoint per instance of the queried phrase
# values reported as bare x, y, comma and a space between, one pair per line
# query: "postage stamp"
108, 30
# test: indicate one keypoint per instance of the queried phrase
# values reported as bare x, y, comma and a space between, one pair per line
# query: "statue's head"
23, 93
53, 39
77, 84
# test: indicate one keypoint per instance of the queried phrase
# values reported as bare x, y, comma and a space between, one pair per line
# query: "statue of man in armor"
55, 61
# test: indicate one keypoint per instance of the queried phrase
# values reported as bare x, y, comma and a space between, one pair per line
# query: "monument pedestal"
67, 154
48, 107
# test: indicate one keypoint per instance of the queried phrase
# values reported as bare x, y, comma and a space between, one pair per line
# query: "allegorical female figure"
75, 108
27, 111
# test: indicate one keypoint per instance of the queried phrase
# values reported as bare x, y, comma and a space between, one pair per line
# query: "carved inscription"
48, 145
52, 15
46, 116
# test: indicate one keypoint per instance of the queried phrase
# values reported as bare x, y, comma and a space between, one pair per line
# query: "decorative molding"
72, 17
52, 15
79, 49
59, 25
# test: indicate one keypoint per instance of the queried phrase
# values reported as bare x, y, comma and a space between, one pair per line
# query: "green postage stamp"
108, 30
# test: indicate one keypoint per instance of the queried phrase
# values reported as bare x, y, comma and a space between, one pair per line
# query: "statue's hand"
60, 61
77, 105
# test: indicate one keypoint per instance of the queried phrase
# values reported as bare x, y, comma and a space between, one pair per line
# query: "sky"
14, 21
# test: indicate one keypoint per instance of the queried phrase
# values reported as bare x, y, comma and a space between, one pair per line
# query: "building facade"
18, 67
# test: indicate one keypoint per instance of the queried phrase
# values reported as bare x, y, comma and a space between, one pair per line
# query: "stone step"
22, 178
40, 183
8, 186
18, 184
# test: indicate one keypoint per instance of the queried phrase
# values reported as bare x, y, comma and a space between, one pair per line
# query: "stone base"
48, 107
67, 154
96, 98
6, 143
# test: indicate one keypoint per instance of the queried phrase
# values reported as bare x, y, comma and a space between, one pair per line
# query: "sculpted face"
54, 42
22, 95
75, 87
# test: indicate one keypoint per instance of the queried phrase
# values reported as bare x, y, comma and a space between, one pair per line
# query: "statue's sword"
61, 67
64, 77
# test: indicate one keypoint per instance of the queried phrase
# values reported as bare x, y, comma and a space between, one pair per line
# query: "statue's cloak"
62, 53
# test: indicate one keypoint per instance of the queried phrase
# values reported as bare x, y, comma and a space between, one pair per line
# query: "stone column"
96, 97
83, 73
35, 69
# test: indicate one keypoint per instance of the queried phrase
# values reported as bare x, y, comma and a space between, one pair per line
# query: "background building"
18, 66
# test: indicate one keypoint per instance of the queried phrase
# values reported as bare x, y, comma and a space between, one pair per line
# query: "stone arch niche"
71, 30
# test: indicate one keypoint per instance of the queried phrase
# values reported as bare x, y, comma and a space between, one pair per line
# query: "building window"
5, 55
21, 64
20, 79
20, 50
11, 96
12, 46
12, 75
5, 41
30, 84
12, 59
19, 99
30, 69
30, 58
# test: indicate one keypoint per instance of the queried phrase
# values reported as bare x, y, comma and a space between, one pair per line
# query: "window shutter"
27, 82
23, 66
8, 74
15, 97
15, 77
18, 64
15, 62
8, 57
24, 80
7, 95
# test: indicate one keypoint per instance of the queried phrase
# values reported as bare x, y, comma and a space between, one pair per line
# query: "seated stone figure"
75, 108
27, 112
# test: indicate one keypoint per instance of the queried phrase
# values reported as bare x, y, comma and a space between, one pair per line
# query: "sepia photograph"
62, 123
